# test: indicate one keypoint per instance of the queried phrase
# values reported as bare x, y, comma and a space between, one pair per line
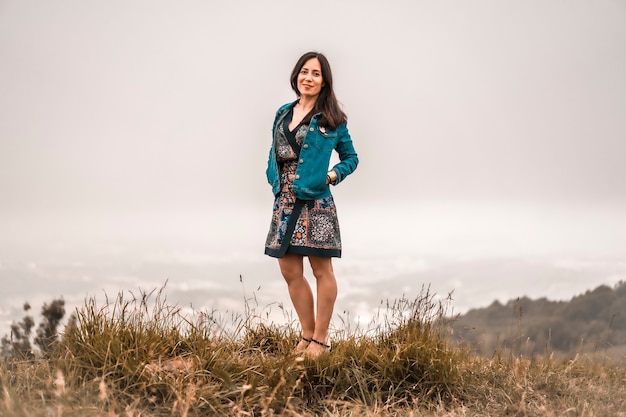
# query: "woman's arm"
348, 159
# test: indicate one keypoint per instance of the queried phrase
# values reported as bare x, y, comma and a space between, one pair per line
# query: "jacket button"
301, 161
311, 129
297, 177
305, 146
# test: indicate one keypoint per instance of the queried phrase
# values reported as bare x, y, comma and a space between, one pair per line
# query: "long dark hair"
331, 114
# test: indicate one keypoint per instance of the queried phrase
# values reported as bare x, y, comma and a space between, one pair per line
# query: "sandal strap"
320, 343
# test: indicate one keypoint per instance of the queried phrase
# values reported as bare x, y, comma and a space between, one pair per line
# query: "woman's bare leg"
291, 267
326, 296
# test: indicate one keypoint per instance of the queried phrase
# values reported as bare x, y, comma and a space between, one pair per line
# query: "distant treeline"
590, 323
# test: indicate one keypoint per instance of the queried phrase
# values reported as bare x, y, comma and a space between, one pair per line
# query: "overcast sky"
471, 111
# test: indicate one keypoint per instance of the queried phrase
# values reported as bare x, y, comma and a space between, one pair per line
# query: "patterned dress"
315, 231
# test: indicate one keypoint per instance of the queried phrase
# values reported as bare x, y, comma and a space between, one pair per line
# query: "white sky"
134, 136
473, 120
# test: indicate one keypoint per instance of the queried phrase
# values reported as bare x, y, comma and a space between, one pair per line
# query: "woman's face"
310, 80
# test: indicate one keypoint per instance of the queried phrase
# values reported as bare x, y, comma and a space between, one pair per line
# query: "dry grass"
140, 357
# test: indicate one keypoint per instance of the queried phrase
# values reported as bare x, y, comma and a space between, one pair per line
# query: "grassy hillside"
140, 356
593, 323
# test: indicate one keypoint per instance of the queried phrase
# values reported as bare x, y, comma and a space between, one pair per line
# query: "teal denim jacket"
318, 145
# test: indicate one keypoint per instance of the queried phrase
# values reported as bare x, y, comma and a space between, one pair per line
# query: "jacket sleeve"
272, 167
348, 159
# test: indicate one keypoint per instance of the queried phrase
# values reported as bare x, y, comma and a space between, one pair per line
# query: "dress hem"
305, 251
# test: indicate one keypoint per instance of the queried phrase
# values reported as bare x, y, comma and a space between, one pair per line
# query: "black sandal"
322, 344
303, 339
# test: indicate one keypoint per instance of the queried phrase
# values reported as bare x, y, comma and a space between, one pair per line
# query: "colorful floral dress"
315, 231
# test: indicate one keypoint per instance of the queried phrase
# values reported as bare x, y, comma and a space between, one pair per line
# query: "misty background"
134, 139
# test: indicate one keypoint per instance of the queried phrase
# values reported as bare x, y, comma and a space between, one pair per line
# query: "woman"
304, 220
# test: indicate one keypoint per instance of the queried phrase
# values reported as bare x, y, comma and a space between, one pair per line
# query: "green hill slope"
590, 323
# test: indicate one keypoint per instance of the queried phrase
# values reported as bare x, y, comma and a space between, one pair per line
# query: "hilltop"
140, 356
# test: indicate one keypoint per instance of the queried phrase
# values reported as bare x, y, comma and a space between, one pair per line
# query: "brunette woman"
304, 219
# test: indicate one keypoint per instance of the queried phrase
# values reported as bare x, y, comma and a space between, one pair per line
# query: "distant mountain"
591, 323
